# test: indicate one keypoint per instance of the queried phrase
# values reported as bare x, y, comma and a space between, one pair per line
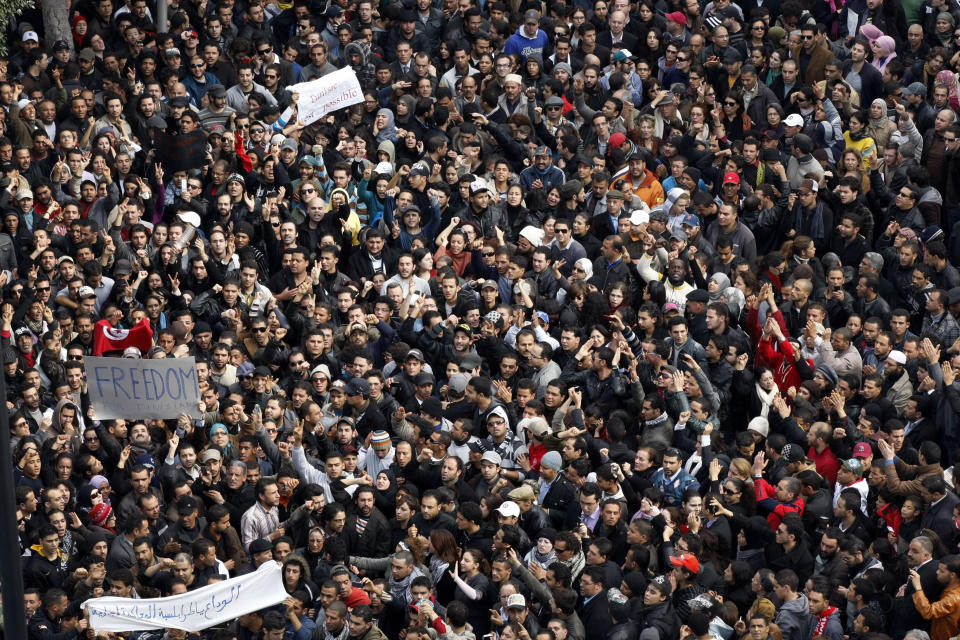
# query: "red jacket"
778, 357
827, 463
777, 509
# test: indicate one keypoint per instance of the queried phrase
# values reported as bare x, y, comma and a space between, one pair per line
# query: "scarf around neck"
766, 399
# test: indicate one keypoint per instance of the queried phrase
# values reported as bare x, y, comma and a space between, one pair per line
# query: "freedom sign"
193, 611
130, 388
333, 91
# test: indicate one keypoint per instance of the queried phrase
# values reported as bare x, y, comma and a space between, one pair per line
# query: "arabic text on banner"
194, 611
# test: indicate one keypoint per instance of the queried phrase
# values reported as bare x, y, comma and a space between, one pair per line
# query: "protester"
575, 318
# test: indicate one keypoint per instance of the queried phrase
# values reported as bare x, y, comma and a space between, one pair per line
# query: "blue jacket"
553, 176
523, 46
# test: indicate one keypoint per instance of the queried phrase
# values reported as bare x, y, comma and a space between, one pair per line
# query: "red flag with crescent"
107, 338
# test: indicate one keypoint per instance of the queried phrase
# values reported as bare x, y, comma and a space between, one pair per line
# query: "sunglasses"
263, 51
489, 254
259, 329
74, 357
196, 65
257, 130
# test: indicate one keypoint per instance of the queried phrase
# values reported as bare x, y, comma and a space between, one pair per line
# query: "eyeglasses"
728, 491
561, 230
263, 51
274, 224
91, 439
758, 27
945, 140
259, 329
74, 357
243, 126
806, 37
41, 289
554, 108
681, 59
256, 130
196, 65
729, 103
488, 254
308, 191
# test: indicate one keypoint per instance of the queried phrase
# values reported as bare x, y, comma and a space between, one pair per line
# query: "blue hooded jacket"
523, 46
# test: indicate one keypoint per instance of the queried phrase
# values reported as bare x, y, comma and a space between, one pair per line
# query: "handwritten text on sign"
138, 389
324, 95
194, 611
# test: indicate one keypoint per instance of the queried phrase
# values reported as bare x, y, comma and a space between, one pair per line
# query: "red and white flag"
106, 338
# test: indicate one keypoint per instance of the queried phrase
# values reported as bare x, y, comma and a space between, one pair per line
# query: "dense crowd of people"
590, 321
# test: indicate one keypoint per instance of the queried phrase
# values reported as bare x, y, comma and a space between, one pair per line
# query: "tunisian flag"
106, 338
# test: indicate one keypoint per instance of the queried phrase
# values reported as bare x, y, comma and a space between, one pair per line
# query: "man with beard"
897, 381
828, 562
451, 475
84, 326
372, 530
224, 536
676, 286
308, 515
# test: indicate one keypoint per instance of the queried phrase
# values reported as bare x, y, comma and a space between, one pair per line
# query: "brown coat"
228, 547
945, 612
915, 473
819, 59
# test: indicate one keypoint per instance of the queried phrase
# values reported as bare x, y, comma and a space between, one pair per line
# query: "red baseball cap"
731, 176
862, 450
677, 17
616, 140
686, 560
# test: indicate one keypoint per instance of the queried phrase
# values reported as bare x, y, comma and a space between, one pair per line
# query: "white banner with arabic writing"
193, 611
324, 95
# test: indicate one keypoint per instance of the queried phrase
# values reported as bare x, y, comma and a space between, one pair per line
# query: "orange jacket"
945, 612
649, 190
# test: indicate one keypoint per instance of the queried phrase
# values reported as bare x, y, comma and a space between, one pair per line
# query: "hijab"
389, 132
587, 266
879, 122
723, 282
386, 501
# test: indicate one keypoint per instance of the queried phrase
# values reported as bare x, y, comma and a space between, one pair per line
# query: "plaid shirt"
258, 522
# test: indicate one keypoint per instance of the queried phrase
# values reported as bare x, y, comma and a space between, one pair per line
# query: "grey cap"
915, 89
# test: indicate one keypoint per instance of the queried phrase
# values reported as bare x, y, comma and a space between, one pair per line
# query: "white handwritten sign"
138, 389
193, 611
333, 91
